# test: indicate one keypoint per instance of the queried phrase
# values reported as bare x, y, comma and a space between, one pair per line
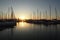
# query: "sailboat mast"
32, 15
2, 15
46, 14
37, 14
12, 15
56, 13
40, 15
50, 11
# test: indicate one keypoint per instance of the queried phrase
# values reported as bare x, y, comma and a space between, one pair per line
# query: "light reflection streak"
23, 26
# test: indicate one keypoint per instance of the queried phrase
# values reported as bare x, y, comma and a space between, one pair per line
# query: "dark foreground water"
26, 31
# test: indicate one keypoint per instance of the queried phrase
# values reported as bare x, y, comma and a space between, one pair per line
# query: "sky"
28, 7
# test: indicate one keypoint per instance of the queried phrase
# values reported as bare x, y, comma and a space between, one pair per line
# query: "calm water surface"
27, 31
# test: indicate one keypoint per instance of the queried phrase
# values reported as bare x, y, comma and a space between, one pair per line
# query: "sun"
22, 17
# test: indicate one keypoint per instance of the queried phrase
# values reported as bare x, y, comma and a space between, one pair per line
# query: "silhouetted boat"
43, 21
7, 24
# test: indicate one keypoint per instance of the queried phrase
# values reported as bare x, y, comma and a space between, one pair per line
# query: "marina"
29, 19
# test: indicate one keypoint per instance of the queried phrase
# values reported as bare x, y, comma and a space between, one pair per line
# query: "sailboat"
8, 22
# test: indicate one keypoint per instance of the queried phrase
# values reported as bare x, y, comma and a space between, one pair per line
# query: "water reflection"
40, 27
26, 31
6, 32
41, 32
22, 26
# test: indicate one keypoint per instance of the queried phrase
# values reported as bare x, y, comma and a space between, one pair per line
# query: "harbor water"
28, 31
